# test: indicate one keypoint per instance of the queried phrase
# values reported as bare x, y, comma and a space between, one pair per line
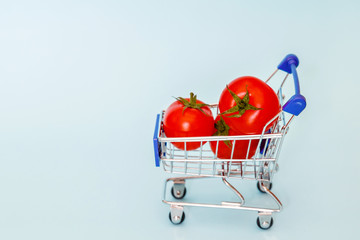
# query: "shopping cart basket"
203, 162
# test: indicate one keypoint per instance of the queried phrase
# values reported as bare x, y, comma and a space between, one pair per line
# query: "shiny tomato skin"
241, 146
188, 123
261, 96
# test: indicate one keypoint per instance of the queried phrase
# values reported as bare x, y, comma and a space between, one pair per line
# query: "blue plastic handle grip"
297, 103
156, 142
296, 79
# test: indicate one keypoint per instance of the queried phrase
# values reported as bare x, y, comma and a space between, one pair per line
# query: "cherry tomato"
248, 104
225, 147
188, 117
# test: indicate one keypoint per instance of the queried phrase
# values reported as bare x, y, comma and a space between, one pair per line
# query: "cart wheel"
265, 225
177, 219
269, 186
179, 193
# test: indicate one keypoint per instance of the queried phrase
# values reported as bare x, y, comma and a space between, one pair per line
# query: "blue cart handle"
157, 149
297, 103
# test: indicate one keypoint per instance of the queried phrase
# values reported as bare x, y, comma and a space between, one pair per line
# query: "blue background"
81, 83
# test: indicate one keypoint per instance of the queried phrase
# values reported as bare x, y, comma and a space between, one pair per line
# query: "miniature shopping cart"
201, 163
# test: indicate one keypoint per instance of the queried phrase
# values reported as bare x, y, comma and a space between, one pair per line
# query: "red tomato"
188, 117
248, 104
225, 147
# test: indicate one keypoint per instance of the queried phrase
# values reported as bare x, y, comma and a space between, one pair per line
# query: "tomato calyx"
242, 105
192, 103
222, 130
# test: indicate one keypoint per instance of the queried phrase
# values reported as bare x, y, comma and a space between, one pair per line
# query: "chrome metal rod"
271, 75
235, 191
272, 195
224, 205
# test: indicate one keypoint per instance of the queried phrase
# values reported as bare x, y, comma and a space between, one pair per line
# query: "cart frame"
203, 163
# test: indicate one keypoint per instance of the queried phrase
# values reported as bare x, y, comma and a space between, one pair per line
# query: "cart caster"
265, 222
176, 215
178, 191
178, 194
267, 184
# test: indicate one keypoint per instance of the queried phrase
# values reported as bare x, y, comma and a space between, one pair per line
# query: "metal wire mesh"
205, 161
